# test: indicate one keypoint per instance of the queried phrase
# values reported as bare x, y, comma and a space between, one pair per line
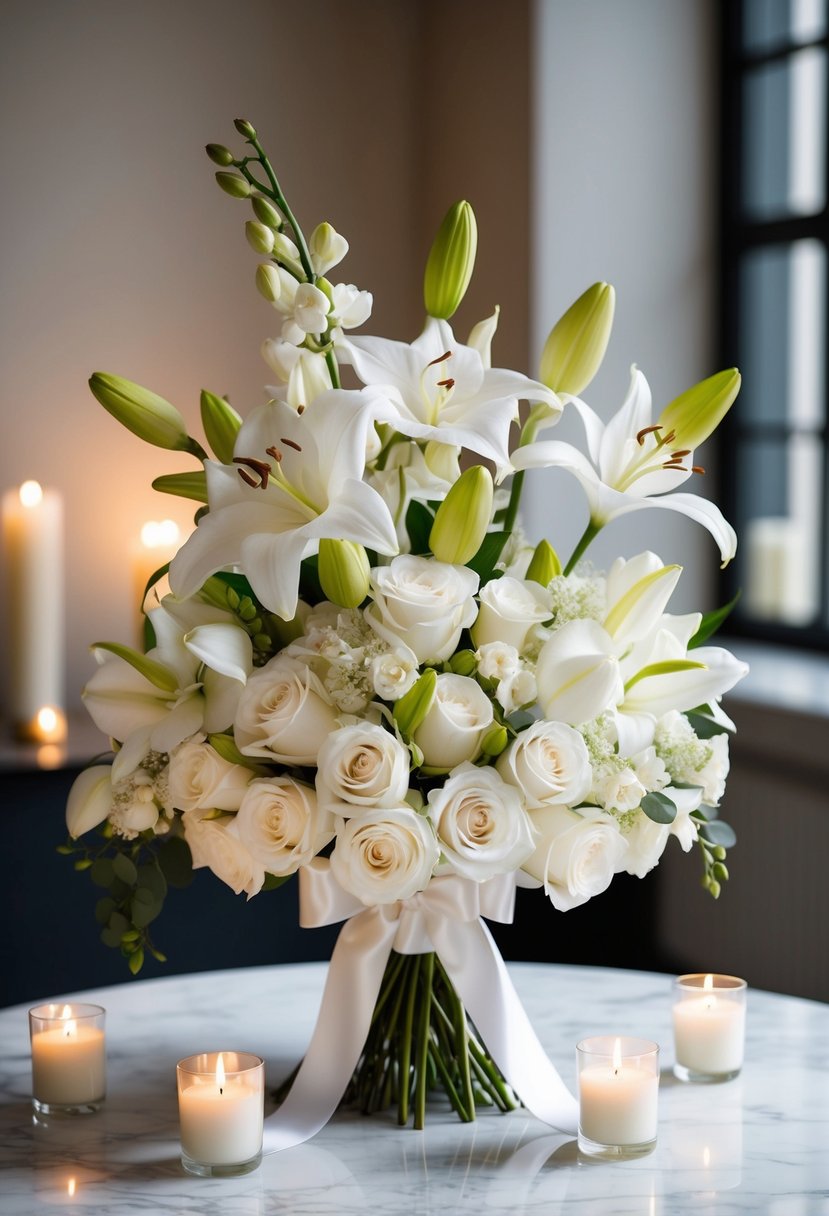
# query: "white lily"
578, 673
190, 681
296, 480
632, 462
445, 391
637, 593
304, 372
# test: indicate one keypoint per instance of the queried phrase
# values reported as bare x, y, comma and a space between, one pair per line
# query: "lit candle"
68, 1058
33, 545
709, 1027
159, 541
221, 1108
618, 1088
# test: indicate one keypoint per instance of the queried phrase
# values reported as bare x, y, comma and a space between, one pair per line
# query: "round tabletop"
759, 1143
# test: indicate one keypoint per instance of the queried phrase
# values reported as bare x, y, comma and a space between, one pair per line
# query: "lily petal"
701, 510
225, 648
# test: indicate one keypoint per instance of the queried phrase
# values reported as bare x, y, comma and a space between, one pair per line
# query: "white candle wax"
33, 546
221, 1125
618, 1105
709, 1032
68, 1064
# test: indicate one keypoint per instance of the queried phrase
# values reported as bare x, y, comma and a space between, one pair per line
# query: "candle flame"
66, 1012
708, 983
220, 1073
155, 535
71, 1028
47, 719
70, 1187
706, 1156
617, 1056
31, 494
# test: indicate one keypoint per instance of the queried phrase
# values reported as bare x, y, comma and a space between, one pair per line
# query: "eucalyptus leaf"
124, 868
272, 881
151, 879
102, 872
110, 938
118, 923
104, 909
659, 808
176, 862
716, 831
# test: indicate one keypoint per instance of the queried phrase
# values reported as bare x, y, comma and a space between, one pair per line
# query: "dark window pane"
768, 23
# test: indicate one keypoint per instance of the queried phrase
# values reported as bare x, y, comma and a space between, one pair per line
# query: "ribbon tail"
355, 975
474, 965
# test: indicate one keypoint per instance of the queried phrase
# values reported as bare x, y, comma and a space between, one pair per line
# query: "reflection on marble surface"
758, 1144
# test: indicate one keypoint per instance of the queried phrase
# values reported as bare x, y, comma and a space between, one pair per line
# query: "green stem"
528, 434
462, 1047
427, 971
406, 1046
590, 533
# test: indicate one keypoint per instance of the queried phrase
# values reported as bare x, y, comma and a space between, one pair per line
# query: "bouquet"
365, 675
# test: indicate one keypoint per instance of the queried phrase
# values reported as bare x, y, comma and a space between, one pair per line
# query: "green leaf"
150, 878
309, 581
705, 727
183, 485
104, 909
131, 936
136, 961
124, 869
84, 863
118, 923
156, 673
272, 881
176, 862
718, 832
144, 907
419, 522
410, 710
102, 872
484, 561
520, 720
225, 745
666, 668
157, 955
712, 621
66, 850
110, 938
659, 808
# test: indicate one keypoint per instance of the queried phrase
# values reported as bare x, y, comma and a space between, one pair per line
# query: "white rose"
481, 823
364, 765
201, 778
284, 713
385, 855
516, 690
509, 608
423, 603
550, 764
214, 843
497, 660
393, 673
456, 722
620, 791
577, 854
282, 826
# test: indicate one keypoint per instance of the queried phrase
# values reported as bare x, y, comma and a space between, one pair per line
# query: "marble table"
757, 1144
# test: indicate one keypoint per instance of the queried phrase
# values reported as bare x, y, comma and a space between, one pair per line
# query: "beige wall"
120, 253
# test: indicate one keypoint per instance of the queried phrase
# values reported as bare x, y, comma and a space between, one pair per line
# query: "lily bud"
494, 741
574, 351
326, 247
221, 425
234, 185
265, 212
90, 800
412, 708
146, 414
219, 154
245, 128
694, 414
259, 237
463, 663
545, 564
184, 485
268, 282
451, 262
343, 572
463, 517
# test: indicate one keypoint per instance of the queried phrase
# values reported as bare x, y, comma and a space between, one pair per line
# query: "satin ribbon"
446, 918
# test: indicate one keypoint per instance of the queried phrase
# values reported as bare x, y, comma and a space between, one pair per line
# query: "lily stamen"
647, 430
450, 383
289, 443
440, 359
697, 468
260, 467
275, 453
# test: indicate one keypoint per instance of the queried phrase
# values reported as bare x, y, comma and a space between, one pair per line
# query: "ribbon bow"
446, 918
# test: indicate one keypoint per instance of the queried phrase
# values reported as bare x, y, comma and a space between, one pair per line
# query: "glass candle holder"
709, 1013
221, 1104
618, 1088
68, 1058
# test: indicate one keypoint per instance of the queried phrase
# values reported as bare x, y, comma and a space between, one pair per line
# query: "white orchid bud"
352, 307
311, 309
268, 282
259, 237
327, 248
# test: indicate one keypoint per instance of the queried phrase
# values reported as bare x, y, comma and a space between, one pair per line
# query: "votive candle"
709, 1015
68, 1058
618, 1091
221, 1099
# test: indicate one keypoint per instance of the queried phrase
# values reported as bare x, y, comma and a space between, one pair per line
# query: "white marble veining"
758, 1144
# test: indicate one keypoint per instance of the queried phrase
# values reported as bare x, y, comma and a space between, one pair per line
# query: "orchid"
445, 391
633, 462
296, 479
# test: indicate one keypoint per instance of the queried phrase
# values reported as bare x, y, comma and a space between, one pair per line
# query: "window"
775, 229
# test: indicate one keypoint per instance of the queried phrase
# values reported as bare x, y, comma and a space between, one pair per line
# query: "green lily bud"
463, 663
150, 669
545, 564
463, 517
184, 485
720, 871
146, 414
259, 237
221, 425
412, 708
494, 741
451, 262
574, 350
245, 128
265, 212
694, 414
219, 154
720, 853
268, 283
714, 888
343, 572
234, 185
